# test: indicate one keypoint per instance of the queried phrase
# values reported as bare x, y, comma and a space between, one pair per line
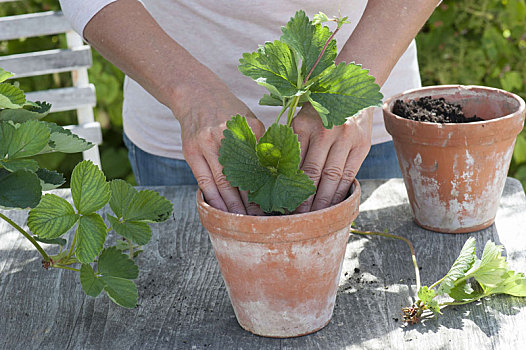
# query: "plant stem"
320, 56
413, 255
65, 268
282, 111
451, 303
72, 245
292, 110
130, 245
437, 283
28, 236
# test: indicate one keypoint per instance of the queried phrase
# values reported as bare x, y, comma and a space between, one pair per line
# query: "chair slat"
66, 99
47, 62
34, 24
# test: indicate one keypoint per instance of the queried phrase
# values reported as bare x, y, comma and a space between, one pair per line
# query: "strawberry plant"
297, 69
23, 135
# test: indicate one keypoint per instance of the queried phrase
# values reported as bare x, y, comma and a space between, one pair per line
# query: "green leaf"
4, 75
519, 152
20, 189
136, 231
269, 170
464, 291
27, 139
148, 206
319, 18
91, 284
270, 100
63, 140
19, 164
113, 262
513, 284
34, 111
59, 241
11, 96
7, 132
493, 267
307, 41
121, 291
121, 196
461, 265
272, 66
91, 234
89, 188
343, 91
50, 179
52, 217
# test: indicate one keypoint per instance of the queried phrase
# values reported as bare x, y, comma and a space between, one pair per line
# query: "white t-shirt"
217, 33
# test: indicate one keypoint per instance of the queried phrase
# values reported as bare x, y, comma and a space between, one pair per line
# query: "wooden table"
184, 303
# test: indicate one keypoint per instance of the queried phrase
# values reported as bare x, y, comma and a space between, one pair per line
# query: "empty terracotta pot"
281, 272
455, 173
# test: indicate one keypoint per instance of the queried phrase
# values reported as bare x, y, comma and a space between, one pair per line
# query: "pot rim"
282, 228
387, 105
355, 187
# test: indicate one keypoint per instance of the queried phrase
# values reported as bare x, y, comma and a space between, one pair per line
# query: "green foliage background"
481, 42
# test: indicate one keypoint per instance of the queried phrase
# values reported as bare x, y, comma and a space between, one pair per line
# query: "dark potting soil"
435, 110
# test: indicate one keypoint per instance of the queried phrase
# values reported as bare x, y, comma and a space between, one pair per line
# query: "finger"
229, 194
353, 164
206, 183
331, 175
313, 165
251, 207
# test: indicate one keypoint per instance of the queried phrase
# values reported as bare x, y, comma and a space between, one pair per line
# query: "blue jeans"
152, 170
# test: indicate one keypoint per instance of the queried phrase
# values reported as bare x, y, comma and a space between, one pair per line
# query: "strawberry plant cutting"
23, 135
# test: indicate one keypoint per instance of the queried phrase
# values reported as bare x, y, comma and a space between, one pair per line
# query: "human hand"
331, 157
203, 112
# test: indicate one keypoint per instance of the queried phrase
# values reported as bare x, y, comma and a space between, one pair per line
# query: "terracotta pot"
281, 272
455, 173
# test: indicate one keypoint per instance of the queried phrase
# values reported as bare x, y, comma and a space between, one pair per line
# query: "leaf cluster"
132, 211
297, 69
23, 135
471, 279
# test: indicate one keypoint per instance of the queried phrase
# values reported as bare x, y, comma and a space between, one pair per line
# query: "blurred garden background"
481, 42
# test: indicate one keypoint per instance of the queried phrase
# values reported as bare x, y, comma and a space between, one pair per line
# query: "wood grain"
184, 304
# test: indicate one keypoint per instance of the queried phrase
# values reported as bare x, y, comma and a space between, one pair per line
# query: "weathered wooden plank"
184, 303
33, 24
66, 99
47, 62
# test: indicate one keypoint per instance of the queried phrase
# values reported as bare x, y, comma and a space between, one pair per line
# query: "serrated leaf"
50, 179
493, 267
345, 90
30, 111
4, 75
112, 262
464, 291
19, 164
20, 189
148, 206
513, 284
11, 96
136, 231
121, 196
461, 265
272, 66
91, 284
28, 139
121, 291
307, 41
273, 184
7, 131
52, 217
89, 188
63, 140
91, 234
59, 241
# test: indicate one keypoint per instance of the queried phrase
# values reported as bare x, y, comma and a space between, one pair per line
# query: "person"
182, 85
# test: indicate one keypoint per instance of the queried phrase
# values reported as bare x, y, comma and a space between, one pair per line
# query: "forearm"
384, 33
128, 36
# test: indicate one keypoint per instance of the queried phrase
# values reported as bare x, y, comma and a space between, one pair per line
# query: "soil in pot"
434, 110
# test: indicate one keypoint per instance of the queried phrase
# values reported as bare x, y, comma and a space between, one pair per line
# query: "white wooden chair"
75, 59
